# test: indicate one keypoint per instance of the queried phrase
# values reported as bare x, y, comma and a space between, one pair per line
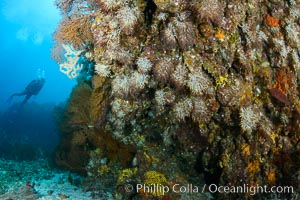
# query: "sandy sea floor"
31, 180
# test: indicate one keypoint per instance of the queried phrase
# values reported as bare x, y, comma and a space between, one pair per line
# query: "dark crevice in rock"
149, 11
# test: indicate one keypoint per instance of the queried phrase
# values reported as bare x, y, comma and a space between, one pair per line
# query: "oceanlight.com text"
212, 188
252, 190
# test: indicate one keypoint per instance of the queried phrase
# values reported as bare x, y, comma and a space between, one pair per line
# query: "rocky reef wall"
182, 92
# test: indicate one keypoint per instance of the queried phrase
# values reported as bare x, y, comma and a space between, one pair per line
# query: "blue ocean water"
26, 40
28, 134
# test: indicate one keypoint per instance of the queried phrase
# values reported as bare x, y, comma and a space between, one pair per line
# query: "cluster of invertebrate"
217, 79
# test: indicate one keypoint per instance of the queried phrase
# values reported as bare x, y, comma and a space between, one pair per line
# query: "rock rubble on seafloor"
36, 180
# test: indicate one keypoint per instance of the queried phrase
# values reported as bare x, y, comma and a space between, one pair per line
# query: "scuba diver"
33, 88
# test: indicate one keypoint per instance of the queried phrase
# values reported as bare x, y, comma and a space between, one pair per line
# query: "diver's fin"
25, 100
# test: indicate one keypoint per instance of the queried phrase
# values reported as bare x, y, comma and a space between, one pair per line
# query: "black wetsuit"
33, 88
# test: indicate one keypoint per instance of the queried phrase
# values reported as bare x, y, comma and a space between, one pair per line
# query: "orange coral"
246, 149
76, 31
281, 88
220, 34
271, 21
253, 168
271, 175
282, 79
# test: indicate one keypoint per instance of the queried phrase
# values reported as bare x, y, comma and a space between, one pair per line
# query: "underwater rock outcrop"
185, 89
79, 131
